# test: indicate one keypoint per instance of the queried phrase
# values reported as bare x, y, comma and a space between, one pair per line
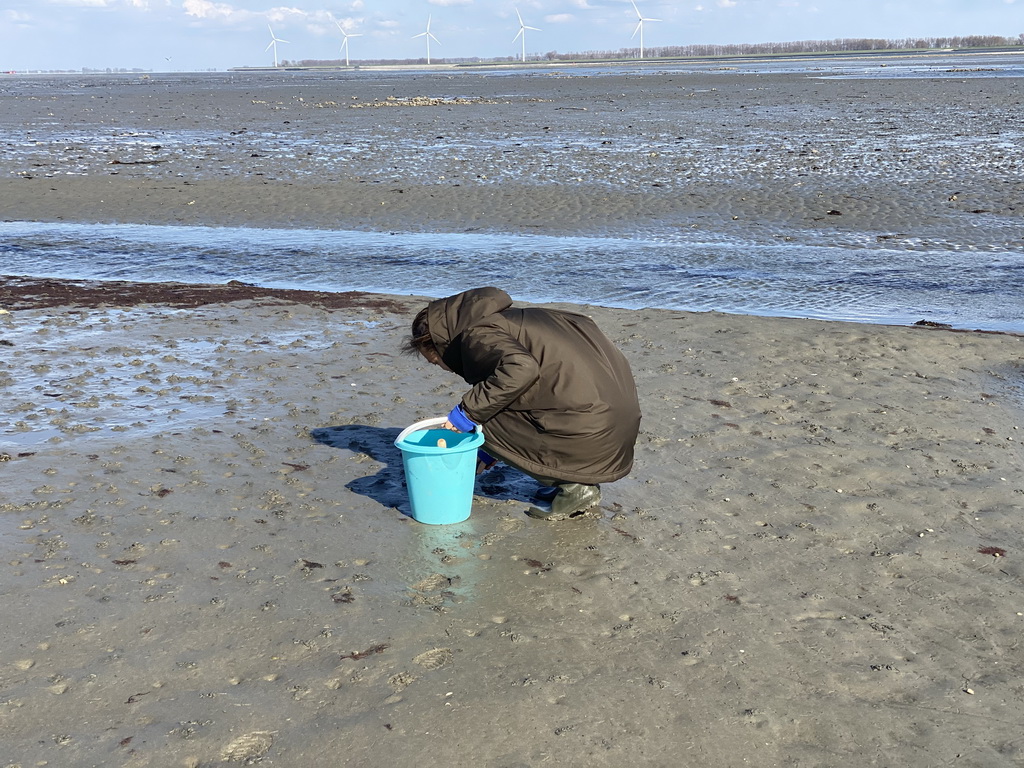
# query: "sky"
198, 35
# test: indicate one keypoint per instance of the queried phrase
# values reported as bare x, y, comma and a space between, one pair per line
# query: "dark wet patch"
40, 293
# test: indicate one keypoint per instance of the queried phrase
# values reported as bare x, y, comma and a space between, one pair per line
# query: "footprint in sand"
248, 747
435, 658
510, 525
401, 681
431, 583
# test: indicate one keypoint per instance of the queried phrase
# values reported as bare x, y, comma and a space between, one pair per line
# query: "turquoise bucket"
440, 479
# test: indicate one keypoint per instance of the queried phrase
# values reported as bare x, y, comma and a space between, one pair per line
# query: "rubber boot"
573, 500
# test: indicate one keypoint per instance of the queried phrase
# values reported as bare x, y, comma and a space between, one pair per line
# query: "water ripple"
852, 282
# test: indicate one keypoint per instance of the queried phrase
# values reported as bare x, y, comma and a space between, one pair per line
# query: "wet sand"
753, 156
208, 558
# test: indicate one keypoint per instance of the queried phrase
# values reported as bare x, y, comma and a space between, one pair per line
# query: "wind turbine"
274, 40
640, 27
346, 35
522, 33
429, 37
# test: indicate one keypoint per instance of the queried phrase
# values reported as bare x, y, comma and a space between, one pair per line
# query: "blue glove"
460, 420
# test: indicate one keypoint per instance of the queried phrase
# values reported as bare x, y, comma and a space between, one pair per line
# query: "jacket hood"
449, 318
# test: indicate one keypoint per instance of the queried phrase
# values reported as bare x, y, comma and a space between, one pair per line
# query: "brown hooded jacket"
555, 397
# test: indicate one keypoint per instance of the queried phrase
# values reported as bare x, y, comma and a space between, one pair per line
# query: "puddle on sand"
131, 380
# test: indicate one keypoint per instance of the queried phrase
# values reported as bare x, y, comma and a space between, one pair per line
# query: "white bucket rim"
433, 423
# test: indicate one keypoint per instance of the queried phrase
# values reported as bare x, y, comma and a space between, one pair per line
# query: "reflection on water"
855, 281
132, 382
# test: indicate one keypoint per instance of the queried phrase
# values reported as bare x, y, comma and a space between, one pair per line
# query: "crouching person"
555, 398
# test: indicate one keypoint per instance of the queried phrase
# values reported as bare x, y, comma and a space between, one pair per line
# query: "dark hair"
420, 342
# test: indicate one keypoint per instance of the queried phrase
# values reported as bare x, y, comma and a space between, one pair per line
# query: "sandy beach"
207, 555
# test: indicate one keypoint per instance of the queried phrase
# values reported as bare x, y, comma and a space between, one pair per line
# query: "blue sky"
182, 35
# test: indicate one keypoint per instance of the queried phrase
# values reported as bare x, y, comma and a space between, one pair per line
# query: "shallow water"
664, 153
125, 380
860, 281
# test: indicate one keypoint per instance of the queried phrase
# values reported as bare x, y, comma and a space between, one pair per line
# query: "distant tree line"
109, 71
697, 50
828, 46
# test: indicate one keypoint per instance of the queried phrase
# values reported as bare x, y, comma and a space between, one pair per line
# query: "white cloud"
143, 4
285, 14
320, 23
446, 3
204, 9
559, 18
81, 3
726, 3
207, 9
348, 23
